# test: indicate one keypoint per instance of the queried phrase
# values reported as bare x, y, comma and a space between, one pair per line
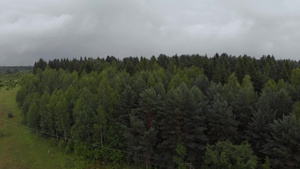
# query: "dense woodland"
14, 69
167, 112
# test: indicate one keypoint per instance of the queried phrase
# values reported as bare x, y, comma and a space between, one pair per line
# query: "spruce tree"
221, 121
259, 129
283, 146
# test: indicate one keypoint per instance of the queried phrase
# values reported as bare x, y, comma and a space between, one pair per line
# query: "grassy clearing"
21, 149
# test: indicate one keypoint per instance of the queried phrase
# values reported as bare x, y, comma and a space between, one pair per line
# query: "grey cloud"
57, 29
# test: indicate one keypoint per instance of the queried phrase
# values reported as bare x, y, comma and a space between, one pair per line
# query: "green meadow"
21, 148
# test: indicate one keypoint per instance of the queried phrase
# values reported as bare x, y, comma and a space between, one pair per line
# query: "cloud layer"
35, 29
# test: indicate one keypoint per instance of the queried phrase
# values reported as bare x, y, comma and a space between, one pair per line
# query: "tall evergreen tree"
259, 129
243, 104
286, 71
221, 121
283, 146
182, 122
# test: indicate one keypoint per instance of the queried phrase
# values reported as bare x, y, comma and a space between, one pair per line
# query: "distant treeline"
169, 111
216, 69
15, 69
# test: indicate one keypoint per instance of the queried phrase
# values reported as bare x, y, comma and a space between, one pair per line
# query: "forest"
14, 69
169, 112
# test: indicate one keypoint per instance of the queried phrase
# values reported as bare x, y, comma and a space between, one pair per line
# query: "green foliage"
183, 121
84, 113
61, 145
221, 121
285, 73
266, 164
259, 130
243, 104
297, 109
271, 84
279, 100
232, 83
69, 147
179, 159
283, 146
226, 155
33, 117
295, 78
145, 108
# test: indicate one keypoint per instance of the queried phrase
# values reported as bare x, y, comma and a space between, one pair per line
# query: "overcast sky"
34, 29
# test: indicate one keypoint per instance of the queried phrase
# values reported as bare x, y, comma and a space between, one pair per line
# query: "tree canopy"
169, 111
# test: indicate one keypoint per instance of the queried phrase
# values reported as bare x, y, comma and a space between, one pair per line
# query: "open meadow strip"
19, 147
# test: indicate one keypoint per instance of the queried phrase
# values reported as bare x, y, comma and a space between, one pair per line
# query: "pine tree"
286, 71
283, 146
128, 101
279, 101
221, 121
243, 104
239, 70
202, 83
259, 129
146, 113
183, 120
231, 89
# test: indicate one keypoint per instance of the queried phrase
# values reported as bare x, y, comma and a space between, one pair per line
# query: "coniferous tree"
243, 104
148, 108
221, 121
239, 69
195, 145
231, 89
259, 129
202, 83
127, 102
182, 122
283, 146
161, 104
40, 64
286, 71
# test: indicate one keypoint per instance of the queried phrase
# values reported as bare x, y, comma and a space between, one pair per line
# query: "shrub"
69, 148
10, 114
61, 145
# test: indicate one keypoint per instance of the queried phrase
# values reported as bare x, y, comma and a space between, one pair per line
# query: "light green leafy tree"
226, 155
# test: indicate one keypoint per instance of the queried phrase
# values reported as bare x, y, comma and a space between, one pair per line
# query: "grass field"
22, 149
